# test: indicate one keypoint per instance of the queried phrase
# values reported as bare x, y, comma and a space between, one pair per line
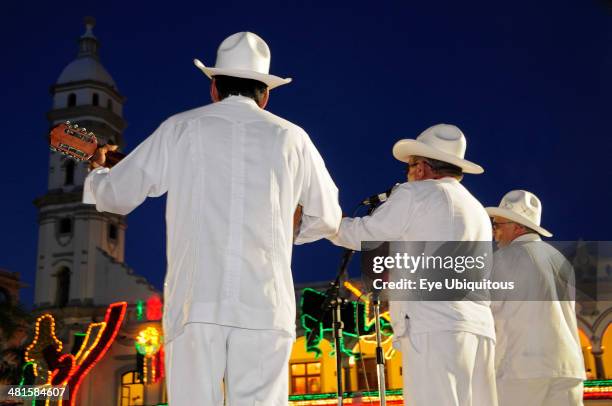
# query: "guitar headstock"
73, 141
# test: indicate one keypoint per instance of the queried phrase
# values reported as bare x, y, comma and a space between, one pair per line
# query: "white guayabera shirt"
431, 210
537, 336
234, 174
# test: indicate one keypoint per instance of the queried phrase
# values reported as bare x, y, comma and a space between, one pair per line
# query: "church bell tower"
79, 248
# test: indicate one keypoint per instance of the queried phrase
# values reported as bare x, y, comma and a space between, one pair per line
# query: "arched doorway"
606, 348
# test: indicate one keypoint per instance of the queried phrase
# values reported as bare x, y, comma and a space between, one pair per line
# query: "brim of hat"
270, 80
517, 218
405, 148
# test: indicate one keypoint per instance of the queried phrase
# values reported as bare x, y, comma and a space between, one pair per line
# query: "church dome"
87, 65
85, 68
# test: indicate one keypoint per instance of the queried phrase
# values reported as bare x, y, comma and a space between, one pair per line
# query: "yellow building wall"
589, 359
328, 363
393, 364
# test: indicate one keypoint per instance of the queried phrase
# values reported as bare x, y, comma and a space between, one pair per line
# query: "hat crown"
446, 138
523, 203
244, 51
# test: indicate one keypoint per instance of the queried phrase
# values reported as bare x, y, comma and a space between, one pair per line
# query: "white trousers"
540, 392
252, 366
448, 369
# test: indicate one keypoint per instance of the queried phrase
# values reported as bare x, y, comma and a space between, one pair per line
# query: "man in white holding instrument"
234, 175
538, 356
447, 346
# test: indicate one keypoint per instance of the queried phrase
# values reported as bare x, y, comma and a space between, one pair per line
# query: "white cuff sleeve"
93, 178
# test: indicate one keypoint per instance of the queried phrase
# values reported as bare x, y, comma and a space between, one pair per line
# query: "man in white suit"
234, 174
447, 347
538, 355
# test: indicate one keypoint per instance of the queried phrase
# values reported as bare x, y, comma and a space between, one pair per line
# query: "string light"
599, 389
154, 308
84, 344
50, 337
385, 318
148, 343
139, 310
87, 356
144, 370
102, 328
394, 397
115, 314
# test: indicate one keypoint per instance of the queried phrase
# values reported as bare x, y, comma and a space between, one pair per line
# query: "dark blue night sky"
529, 83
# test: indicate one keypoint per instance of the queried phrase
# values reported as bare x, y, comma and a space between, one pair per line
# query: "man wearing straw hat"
538, 354
234, 175
447, 346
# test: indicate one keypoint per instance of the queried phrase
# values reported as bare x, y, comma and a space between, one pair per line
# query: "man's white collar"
527, 237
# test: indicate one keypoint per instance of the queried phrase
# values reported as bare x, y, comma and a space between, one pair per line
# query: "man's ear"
214, 93
264, 100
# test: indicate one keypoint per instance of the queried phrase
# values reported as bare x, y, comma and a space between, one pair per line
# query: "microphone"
379, 198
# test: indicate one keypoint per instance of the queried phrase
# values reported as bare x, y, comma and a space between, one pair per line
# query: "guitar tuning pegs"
84, 129
67, 122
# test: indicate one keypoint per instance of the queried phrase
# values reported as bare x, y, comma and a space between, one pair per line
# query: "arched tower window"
5, 298
113, 232
71, 100
69, 167
62, 293
132, 390
65, 226
109, 104
95, 99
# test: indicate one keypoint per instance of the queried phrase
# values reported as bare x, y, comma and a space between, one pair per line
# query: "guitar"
79, 144
74, 141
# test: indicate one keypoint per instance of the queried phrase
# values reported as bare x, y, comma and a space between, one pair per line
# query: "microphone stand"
334, 302
380, 359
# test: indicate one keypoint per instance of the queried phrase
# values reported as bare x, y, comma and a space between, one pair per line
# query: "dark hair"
443, 168
229, 85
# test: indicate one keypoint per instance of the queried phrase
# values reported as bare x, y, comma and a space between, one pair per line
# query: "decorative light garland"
370, 321
149, 344
113, 319
394, 397
44, 337
154, 308
139, 310
84, 345
66, 369
357, 324
598, 389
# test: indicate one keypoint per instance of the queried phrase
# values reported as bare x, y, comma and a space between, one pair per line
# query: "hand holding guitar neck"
106, 155
80, 145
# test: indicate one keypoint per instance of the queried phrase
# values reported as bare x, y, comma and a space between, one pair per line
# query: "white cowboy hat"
443, 142
521, 207
243, 55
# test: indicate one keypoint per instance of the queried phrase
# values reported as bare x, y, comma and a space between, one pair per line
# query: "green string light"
140, 310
